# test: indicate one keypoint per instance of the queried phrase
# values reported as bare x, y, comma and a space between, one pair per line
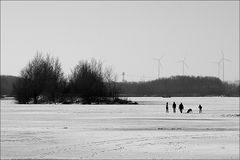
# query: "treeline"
43, 81
180, 86
6, 85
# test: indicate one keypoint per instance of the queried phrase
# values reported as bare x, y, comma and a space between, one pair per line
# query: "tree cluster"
42, 77
43, 81
180, 86
91, 83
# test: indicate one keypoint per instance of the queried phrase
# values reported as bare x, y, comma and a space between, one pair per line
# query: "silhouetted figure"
167, 107
181, 107
174, 107
200, 108
189, 110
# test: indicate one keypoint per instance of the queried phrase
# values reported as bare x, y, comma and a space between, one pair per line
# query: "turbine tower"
159, 64
123, 74
183, 64
222, 61
218, 65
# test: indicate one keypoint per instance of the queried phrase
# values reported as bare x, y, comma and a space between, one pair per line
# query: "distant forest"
180, 86
7, 84
173, 86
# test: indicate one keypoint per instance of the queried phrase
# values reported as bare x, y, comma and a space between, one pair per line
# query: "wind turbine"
222, 61
159, 64
183, 64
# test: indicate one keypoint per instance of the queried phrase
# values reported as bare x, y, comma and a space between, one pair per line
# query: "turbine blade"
162, 56
227, 60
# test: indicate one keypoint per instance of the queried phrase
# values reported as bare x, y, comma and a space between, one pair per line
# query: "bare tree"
110, 80
22, 91
55, 81
42, 76
87, 81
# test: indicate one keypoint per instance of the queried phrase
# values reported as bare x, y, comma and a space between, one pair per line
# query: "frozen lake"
122, 131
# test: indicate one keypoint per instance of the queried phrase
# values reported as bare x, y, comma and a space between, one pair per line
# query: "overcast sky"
124, 35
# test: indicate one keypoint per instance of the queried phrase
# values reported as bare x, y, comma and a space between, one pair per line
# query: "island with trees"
43, 81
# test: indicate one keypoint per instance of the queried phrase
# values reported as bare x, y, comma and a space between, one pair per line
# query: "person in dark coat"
174, 107
181, 107
167, 107
200, 108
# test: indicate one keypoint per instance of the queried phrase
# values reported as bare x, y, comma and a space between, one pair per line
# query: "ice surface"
122, 131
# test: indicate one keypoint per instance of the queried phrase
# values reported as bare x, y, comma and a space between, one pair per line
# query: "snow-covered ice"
122, 131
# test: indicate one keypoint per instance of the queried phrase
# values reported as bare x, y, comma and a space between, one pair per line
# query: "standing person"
181, 107
200, 108
167, 107
174, 107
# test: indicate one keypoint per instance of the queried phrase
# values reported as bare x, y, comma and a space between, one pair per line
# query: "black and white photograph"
120, 79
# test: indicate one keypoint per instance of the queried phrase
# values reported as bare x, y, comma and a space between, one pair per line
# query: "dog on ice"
189, 111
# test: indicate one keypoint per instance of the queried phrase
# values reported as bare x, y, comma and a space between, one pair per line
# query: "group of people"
181, 108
